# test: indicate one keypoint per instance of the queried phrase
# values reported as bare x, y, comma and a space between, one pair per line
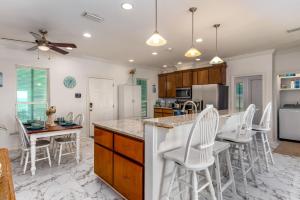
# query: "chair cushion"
233, 136
194, 163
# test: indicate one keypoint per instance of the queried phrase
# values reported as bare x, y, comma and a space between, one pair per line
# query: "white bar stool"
241, 150
262, 129
223, 147
196, 156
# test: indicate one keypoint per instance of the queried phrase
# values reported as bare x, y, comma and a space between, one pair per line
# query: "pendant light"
216, 59
192, 52
156, 39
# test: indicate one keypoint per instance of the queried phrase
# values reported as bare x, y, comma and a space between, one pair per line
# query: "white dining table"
51, 132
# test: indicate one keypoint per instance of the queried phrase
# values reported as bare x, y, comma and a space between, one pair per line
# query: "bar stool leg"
243, 170
251, 162
211, 187
265, 151
218, 178
230, 171
172, 181
269, 148
257, 158
195, 186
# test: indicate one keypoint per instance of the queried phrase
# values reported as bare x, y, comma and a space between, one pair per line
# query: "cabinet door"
202, 77
187, 79
171, 85
128, 178
103, 163
162, 86
158, 114
179, 81
195, 77
215, 76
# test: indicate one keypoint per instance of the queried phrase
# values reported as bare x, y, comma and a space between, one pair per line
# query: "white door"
101, 101
256, 97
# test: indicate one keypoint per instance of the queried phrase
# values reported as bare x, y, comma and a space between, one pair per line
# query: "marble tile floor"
71, 181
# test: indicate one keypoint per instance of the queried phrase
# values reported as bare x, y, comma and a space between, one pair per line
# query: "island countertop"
129, 127
173, 121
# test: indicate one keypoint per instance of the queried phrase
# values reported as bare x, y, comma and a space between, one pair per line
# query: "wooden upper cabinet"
202, 77
187, 79
171, 85
162, 86
217, 74
195, 77
179, 79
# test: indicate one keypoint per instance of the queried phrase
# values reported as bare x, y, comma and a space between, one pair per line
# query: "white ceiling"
247, 26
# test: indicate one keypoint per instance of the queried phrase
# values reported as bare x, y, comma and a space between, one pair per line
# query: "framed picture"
1, 79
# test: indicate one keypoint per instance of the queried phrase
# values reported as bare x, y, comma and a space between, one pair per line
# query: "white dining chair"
241, 146
262, 130
197, 158
42, 145
67, 142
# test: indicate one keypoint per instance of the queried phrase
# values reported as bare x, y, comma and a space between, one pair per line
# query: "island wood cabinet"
167, 83
119, 161
163, 112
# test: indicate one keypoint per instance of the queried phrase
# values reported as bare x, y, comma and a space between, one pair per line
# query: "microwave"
183, 93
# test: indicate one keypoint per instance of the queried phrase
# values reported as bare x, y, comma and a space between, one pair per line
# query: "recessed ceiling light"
69, 48
131, 60
165, 66
87, 35
170, 49
154, 53
179, 63
127, 6
197, 59
198, 40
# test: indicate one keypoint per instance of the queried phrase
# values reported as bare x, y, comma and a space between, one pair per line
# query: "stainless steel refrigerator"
211, 94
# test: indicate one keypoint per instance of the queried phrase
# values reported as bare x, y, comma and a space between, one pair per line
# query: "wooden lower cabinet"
121, 167
128, 178
103, 163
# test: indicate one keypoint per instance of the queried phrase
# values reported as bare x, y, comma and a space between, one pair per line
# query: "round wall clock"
70, 82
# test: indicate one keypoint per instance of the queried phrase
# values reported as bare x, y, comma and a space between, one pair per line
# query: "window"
239, 96
32, 93
144, 104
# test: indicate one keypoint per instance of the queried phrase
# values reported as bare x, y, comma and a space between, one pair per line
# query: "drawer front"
157, 115
157, 110
128, 178
167, 115
103, 163
131, 148
103, 137
168, 111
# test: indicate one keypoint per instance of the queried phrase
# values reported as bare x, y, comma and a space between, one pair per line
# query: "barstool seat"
234, 136
195, 163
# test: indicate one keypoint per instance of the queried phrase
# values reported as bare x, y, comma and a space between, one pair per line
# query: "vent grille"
293, 30
93, 17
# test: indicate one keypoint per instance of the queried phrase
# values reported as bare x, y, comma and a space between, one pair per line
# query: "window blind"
32, 93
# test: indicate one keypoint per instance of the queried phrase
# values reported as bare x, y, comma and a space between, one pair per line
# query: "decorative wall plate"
70, 82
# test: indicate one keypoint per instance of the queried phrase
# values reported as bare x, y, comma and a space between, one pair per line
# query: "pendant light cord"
155, 15
193, 29
216, 41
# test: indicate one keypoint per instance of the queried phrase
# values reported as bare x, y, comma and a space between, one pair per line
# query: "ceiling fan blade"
36, 36
58, 50
32, 48
63, 44
17, 40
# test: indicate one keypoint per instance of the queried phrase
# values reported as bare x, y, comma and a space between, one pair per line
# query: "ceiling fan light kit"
192, 52
216, 59
156, 39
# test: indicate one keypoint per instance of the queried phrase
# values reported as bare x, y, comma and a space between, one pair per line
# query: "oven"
183, 93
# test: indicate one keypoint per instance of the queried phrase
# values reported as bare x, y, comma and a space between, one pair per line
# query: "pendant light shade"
156, 39
192, 52
216, 59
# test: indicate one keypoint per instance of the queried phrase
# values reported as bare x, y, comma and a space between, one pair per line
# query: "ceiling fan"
45, 45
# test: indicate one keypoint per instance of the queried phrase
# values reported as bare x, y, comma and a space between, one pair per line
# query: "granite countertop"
130, 127
173, 121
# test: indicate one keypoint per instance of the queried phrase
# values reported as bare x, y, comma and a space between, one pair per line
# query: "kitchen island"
128, 153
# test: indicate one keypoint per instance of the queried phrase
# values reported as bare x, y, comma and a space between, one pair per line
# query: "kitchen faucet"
190, 102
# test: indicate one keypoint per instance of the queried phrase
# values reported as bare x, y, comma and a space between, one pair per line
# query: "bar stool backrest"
205, 127
79, 119
247, 119
265, 121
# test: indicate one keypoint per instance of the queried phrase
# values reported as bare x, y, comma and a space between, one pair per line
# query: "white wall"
260, 63
61, 97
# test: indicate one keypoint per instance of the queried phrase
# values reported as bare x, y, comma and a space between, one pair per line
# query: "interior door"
101, 101
255, 89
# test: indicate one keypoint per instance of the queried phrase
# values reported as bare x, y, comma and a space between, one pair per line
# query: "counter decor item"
50, 115
69, 82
